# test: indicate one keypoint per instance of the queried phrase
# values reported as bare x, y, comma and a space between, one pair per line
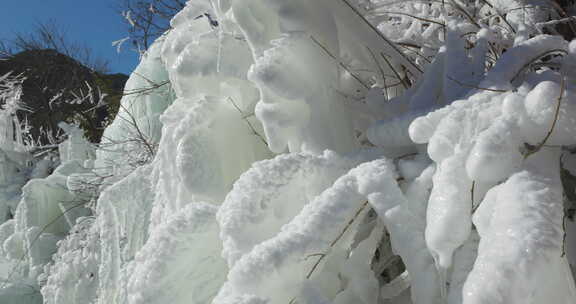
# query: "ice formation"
272, 151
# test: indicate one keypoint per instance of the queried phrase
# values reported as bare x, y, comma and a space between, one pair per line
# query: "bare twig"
554, 122
391, 44
409, 49
141, 136
533, 60
415, 17
340, 63
472, 195
475, 87
564, 217
382, 74
555, 22
245, 118
145, 90
500, 15
322, 256
404, 84
314, 255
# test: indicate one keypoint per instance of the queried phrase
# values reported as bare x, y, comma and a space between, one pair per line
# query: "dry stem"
556, 114
323, 255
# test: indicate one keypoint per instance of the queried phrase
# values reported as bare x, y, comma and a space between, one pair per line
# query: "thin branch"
533, 60
408, 48
564, 217
350, 222
472, 193
475, 87
340, 63
145, 89
465, 13
381, 70
539, 146
472, 189
141, 136
388, 42
415, 17
314, 255
245, 118
382, 74
500, 15
404, 84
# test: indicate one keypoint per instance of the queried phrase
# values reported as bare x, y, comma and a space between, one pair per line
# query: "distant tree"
63, 81
148, 19
50, 36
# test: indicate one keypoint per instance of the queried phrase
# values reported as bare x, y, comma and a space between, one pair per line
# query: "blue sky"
93, 22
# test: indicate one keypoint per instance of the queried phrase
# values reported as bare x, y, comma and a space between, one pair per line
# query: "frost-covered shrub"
303, 156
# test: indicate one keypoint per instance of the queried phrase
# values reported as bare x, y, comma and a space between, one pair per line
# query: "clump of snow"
520, 228
271, 193
186, 246
311, 236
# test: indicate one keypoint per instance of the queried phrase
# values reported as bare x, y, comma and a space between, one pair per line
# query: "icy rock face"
45, 214
460, 202
90, 262
164, 204
212, 116
23, 249
123, 221
15, 169
12, 177
295, 101
57, 208
132, 138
